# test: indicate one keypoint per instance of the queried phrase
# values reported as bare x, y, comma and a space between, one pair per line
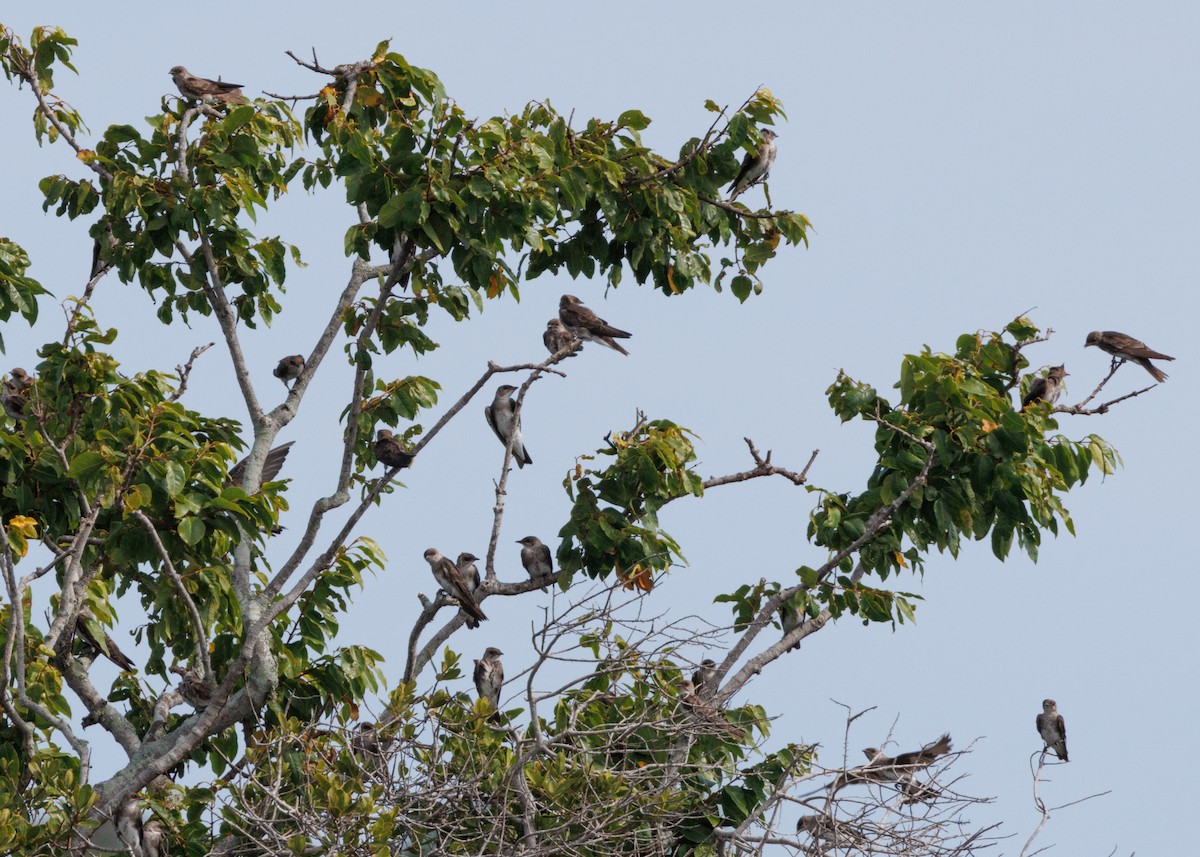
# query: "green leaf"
191, 530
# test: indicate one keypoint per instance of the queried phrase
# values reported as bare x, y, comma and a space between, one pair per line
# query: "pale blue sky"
961, 163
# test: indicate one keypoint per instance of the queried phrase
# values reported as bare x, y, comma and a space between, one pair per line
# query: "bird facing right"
1045, 389
756, 166
489, 676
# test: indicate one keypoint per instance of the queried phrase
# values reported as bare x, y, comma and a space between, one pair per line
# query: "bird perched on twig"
195, 691
468, 569
791, 619
502, 416
202, 88
702, 678
89, 630
1053, 729
289, 369
489, 676
588, 326
390, 452
270, 469
456, 585
901, 769
1045, 389
127, 820
756, 166
1124, 347
705, 711
557, 337
15, 393
535, 558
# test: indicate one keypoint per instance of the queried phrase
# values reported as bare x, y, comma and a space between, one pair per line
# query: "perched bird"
202, 88
502, 417
128, 823
456, 585
826, 828
702, 678
20, 380
705, 711
90, 631
756, 166
289, 369
270, 468
588, 326
535, 558
557, 337
390, 452
1053, 729
1045, 389
489, 676
901, 769
468, 569
1123, 347
14, 395
195, 691
153, 834
791, 619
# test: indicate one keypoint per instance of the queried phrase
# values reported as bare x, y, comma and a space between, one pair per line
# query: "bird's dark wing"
1132, 347
274, 462
1037, 390
491, 420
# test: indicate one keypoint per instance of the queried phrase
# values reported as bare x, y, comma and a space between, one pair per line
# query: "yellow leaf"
988, 426
900, 561
24, 525
86, 155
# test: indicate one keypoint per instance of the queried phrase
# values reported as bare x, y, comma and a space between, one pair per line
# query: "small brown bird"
588, 326
289, 369
501, 415
557, 337
127, 820
14, 395
195, 691
153, 833
489, 676
1046, 389
390, 452
702, 678
1053, 729
201, 88
91, 632
270, 469
20, 380
791, 619
535, 558
456, 585
469, 570
1123, 347
901, 769
756, 166
705, 711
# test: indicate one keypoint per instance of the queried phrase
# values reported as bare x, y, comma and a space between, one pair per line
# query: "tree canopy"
128, 499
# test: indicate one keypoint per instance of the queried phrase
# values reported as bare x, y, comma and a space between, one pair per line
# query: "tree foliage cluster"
128, 492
